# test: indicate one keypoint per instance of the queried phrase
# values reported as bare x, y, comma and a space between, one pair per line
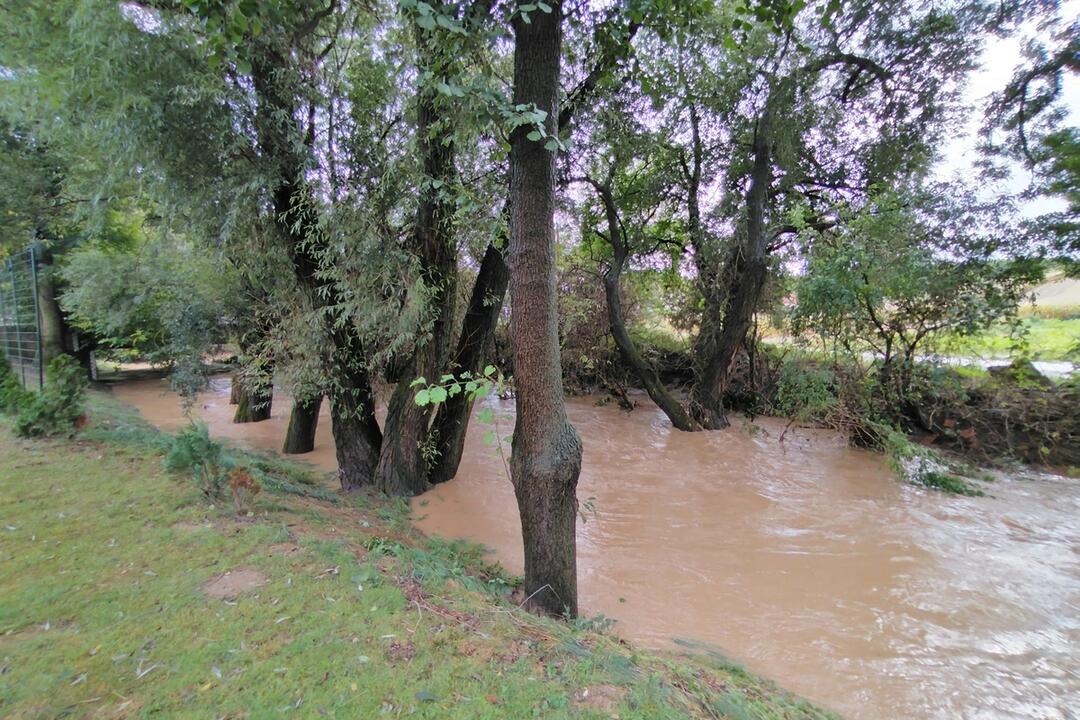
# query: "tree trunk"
53, 325
303, 421
747, 272
254, 396
451, 422
628, 351
253, 402
709, 415
357, 438
402, 468
546, 457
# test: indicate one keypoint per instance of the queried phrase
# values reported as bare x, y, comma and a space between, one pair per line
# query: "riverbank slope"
124, 592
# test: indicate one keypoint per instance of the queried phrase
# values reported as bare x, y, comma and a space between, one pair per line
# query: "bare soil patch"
601, 698
234, 583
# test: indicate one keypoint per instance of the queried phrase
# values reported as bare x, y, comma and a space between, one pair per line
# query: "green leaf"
489, 370
486, 415
438, 394
534, 135
489, 437
426, 21
423, 397
418, 381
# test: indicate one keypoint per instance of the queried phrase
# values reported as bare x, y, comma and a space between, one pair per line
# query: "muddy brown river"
804, 560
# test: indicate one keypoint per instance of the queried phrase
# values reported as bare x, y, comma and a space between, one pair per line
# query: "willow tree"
774, 120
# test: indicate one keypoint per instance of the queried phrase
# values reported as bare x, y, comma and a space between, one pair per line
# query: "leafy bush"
193, 451
58, 407
13, 396
806, 393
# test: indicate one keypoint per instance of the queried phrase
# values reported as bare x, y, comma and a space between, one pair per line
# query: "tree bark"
303, 421
254, 397
402, 468
451, 422
53, 326
628, 351
357, 437
546, 456
747, 272
253, 403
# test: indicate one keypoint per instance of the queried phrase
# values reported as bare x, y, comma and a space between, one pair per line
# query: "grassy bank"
124, 593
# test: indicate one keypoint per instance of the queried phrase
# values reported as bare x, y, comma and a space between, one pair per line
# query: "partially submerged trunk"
253, 396
747, 272
706, 413
402, 467
254, 401
303, 422
451, 422
642, 368
357, 437
546, 456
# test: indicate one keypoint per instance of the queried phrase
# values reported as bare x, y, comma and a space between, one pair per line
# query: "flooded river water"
805, 560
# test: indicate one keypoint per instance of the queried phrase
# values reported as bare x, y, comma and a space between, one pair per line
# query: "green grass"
1047, 339
103, 556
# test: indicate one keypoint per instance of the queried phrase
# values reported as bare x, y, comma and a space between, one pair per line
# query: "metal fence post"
18, 324
37, 318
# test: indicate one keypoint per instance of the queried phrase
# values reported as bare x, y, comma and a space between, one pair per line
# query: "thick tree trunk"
628, 351
747, 272
53, 326
303, 421
254, 397
357, 438
451, 422
546, 457
253, 403
402, 468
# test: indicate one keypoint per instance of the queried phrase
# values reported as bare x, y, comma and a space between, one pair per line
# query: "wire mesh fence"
20, 319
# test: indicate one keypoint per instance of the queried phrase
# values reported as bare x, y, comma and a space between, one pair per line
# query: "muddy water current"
804, 560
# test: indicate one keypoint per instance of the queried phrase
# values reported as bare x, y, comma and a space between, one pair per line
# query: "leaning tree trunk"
402, 468
451, 422
546, 457
747, 273
628, 351
303, 421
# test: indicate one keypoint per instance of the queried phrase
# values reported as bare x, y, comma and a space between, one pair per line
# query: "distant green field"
1043, 339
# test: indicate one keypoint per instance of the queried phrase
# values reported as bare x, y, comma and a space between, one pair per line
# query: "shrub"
193, 451
59, 406
13, 396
